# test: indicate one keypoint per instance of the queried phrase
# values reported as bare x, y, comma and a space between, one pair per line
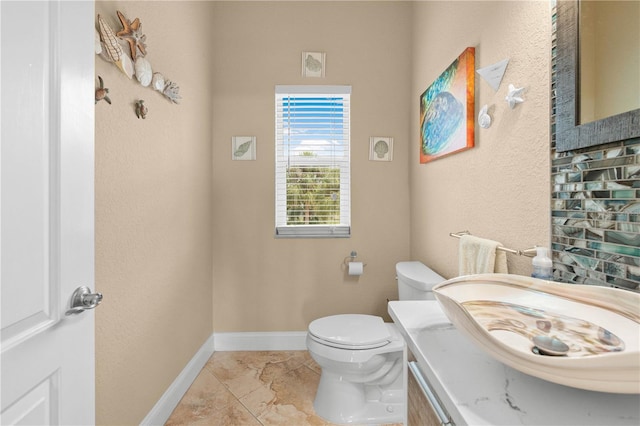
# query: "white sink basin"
587, 337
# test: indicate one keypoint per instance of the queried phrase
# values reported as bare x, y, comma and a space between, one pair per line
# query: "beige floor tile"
205, 397
230, 415
244, 372
288, 400
252, 389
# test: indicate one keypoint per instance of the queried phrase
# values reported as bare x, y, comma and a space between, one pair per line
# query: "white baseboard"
160, 412
258, 341
261, 341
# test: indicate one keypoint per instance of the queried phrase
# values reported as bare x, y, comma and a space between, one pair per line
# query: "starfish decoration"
132, 34
514, 96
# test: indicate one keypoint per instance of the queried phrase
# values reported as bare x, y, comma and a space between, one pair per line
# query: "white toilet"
363, 358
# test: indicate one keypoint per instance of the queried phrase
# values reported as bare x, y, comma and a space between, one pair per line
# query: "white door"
47, 220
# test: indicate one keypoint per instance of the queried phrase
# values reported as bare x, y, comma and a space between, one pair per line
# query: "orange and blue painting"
447, 110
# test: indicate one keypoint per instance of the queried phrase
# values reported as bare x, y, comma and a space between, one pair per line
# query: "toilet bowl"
363, 359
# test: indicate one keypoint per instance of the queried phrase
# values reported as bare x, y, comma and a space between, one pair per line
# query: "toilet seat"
350, 331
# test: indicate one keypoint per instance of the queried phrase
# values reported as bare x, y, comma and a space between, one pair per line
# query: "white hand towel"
480, 256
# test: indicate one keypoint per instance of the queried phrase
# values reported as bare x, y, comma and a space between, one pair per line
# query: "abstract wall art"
447, 110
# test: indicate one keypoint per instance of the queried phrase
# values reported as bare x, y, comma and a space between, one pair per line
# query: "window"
312, 161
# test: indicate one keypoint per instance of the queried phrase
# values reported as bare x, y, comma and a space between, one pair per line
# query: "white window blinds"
312, 161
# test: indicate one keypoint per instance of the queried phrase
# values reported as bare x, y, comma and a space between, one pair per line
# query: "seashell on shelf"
171, 91
143, 71
157, 82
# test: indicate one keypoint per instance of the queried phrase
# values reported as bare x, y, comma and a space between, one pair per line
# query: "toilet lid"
351, 330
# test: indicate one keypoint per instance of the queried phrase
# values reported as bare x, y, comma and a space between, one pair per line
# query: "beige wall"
153, 213
184, 235
266, 284
501, 188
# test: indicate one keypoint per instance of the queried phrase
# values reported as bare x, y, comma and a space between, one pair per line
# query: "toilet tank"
415, 281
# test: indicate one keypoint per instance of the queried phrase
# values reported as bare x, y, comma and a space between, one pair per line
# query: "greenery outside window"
313, 161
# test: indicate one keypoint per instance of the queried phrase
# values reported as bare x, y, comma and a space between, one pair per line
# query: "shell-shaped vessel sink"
582, 336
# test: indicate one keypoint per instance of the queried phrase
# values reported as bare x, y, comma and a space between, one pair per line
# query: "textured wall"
171, 205
153, 213
501, 188
267, 284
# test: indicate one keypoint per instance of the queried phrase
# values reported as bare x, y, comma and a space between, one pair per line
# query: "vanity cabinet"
476, 389
421, 401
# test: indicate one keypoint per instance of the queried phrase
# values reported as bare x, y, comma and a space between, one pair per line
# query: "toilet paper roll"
356, 268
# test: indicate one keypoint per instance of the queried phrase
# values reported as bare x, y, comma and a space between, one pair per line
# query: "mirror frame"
569, 134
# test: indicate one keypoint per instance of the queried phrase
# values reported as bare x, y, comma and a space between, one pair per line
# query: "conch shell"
113, 50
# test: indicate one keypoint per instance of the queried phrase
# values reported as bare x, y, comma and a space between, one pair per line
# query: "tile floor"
252, 388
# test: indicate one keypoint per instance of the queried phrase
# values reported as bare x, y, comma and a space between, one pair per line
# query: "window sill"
313, 231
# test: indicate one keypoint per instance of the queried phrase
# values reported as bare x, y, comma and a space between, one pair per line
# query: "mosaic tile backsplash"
595, 209
595, 215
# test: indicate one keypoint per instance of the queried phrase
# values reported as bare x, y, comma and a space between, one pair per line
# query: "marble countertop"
476, 389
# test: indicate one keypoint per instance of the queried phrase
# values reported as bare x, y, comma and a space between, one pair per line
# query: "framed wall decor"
313, 64
243, 148
447, 110
380, 148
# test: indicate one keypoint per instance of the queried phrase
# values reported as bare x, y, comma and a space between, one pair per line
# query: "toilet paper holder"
351, 258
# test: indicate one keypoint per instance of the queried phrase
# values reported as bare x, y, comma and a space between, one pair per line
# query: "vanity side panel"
419, 411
